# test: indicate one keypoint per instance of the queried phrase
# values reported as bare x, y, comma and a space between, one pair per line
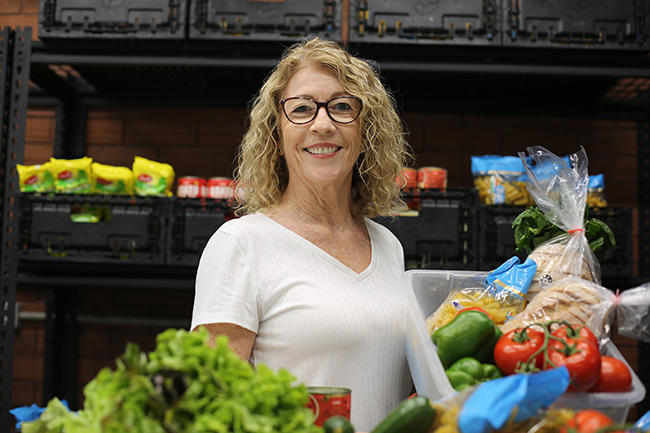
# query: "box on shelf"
193, 221
140, 19
609, 24
84, 228
443, 233
286, 20
619, 261
441, 22
426, 290
496, 235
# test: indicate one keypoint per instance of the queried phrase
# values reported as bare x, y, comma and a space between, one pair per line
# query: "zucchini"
337, 424
413, 415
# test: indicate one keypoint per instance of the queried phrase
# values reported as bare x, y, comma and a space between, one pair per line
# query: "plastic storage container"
89, 228
95, 19
427, 289
443, 234
607, 24
284, 20
193, 222
446, 22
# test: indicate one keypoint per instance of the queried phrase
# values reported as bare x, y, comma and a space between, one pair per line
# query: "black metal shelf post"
15, 49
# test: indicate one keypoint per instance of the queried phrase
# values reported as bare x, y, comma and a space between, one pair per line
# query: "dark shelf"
430, 78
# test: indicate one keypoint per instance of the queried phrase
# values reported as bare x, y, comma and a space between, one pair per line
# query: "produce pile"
547, 314
185, 386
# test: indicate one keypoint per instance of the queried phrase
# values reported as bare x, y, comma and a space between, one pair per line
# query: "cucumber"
414, 415
337, 424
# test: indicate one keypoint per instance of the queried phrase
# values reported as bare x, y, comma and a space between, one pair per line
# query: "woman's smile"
323, 151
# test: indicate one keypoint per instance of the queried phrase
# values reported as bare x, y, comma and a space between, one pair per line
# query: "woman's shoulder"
380, 231
243, 224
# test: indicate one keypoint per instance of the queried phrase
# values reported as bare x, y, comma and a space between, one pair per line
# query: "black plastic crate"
612, 24
126, 230
284, 20
497, 238
192, 224
435, 22
619, 261
141, 19
496, 235
443, 234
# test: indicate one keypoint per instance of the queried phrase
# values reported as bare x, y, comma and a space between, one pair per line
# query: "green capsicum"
470, 333
469, 371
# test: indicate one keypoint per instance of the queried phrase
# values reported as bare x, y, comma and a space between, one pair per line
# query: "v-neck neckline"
327, 256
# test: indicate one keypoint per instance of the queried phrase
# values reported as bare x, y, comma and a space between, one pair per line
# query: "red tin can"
191, 187
410, 191
220, 188
432, 177
327, 402
411, 176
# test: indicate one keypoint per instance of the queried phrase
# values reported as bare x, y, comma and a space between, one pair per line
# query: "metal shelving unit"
15, 46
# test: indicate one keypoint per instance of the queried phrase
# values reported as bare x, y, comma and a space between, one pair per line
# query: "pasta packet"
109, 179
35, 178
559, 187
152, 178
500, 180
596, 193
72, 176
500, 293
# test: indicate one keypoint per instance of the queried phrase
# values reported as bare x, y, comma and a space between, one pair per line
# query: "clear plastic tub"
427, 289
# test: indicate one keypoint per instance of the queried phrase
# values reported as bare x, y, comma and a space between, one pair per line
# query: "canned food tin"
191, 187
411, 176
327, 402
220, 188
432, 177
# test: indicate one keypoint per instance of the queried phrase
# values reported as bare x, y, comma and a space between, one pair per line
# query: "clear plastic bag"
574, 300
633, 313
560, 190
500, 293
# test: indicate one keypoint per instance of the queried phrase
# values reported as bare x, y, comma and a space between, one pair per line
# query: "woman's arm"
241, 339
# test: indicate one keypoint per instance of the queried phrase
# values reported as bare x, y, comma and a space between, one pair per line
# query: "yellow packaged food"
596, 191
35, 178
109, 179
72, 176
152, 178
500, 293
500, 180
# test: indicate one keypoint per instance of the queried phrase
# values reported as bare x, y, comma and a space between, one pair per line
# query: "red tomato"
576, 331
515, 348
580, 357
473, 308
614, 376
588, 421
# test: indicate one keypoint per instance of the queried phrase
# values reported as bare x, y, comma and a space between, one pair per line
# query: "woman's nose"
322, 121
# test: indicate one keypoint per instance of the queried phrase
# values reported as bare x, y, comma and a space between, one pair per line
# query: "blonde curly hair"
262, 171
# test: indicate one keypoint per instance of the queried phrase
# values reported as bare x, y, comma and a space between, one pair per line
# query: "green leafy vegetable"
184, 386
533, 228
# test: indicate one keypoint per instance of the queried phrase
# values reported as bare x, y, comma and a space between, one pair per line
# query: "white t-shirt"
326, 324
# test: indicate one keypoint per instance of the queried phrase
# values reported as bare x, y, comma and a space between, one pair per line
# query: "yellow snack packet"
72, 176
152, 178
35, 178
109, 179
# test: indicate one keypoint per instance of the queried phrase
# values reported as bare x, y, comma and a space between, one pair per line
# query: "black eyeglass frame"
318, 107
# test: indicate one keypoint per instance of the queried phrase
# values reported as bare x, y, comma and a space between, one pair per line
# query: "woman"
305, 280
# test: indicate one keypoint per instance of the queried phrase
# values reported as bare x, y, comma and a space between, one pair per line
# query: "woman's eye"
341, 106
301, 109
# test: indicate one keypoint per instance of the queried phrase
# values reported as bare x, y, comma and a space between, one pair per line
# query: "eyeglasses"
301, 110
